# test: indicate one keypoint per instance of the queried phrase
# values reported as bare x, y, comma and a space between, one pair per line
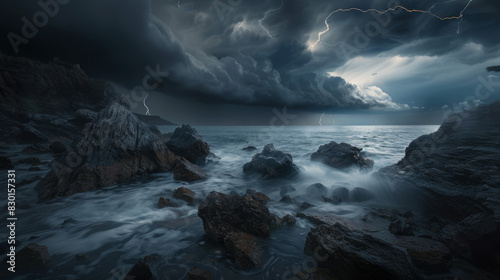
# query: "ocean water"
115, 226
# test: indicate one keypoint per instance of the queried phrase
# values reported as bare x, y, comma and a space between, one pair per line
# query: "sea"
102, 233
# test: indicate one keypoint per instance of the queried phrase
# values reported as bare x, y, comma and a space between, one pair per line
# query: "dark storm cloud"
493, 69
238, 53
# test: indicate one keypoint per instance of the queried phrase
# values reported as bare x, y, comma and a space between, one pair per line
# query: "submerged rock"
317, 190
140, 271
199, 274
243, 247
351, 254
32, 257
184, 194
341, 156
186, 171
361, 195
249, 149
271, 163
113, 149
187, 143
165, 202
222, 214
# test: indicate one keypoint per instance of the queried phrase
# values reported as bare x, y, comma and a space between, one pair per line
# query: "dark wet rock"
454, 173
276, 222
113, 149
477, 235
140, 271
317, 190
199, 274
57, 147
351, 254
427, 255
249, 149
6, 163
63, 88
222, 214
29, 181
361, 195
30, 160
187, 143
271, 163
399, 228
341, 156
244, 250
289, 220
334, 200
34, 168
306, 205
35, 149
166, 202
407, 214
260, 197
185, 194
186, 171
287, 199
341, 193
83, 116
32, 257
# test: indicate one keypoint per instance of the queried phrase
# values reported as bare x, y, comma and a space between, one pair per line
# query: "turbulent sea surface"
113, 227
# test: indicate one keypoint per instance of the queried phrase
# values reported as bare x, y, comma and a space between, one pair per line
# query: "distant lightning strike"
146, 106
265, 16
320, 118
459, 17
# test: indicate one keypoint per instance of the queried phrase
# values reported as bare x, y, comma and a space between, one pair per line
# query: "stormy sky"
240, 62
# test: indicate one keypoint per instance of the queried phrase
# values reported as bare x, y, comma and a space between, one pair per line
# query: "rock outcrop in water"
354, 255
454, 173
187, 143
114, 148
341, 156
235, 221
271, 163
186, 171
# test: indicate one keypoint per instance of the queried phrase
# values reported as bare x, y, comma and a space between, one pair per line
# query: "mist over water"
117, 225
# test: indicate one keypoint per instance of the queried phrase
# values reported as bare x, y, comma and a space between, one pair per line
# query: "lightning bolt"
144, 103
265, 16
320, 118
459, 17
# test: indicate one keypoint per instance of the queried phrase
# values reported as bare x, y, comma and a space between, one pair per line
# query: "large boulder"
454, 173
271, 163
187, 143
428, 255
114, 148
140, 271
341, 156
186, 171
243, 247
351, 254
222, 214
235, 221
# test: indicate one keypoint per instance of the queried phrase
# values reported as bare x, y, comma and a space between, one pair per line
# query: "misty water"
115, 226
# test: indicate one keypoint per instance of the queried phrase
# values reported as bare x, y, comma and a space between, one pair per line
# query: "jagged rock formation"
271, 163
187, 143
114, 148
341, 156
454, 173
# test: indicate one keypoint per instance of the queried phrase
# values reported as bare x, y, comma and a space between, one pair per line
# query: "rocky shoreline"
452, 175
